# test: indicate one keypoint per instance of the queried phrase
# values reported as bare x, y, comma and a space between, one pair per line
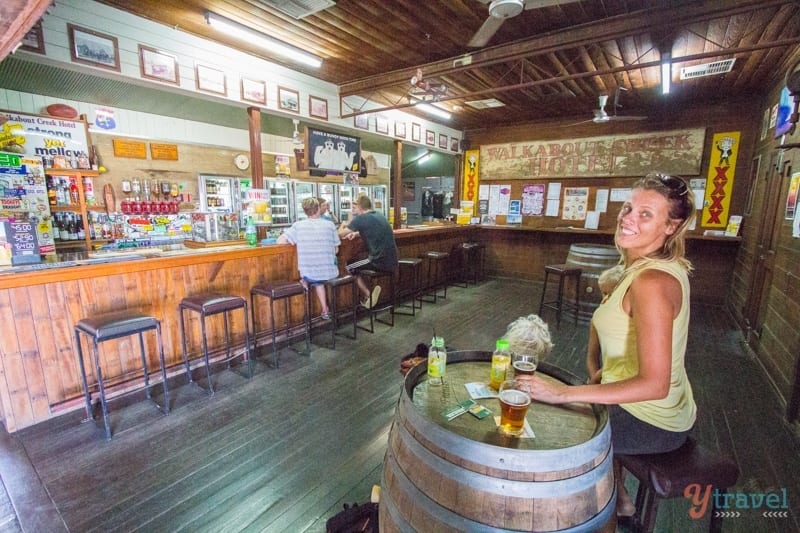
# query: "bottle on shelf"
51, 191
437, 361
79, 228
88, 190
73, 190
62, 195
501, 359
56, 222
72, 227
250, 232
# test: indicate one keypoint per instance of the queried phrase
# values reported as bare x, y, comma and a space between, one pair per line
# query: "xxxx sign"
721, 170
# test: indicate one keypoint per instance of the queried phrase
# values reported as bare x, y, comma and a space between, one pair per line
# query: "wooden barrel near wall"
462, 475
592, 259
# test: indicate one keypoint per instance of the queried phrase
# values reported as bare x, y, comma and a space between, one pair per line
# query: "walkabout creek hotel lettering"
674, 152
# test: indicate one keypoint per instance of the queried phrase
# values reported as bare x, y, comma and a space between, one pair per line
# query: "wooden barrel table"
592, 259
463, 475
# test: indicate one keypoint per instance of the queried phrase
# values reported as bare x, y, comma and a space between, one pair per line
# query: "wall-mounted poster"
721, 171
333, 151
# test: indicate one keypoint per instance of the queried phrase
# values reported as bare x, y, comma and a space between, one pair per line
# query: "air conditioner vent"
298, 8
488, 103
707, 69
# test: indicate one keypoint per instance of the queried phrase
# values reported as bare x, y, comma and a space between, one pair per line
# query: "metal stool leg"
183, 346
205, 352
163, 368
544, 291
144, 366
87, 395
99, 373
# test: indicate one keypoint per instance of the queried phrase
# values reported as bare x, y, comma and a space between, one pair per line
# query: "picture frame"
254, 91
416, 132
158, 65
317, 107
289, 100
430, 138
381, 124
210, 80
454, 144
443, 141
361, 122
93, 48
400, 129
33, 41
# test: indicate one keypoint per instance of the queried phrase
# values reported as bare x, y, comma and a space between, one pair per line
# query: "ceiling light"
424, 158
269, 44
666, 72
433, 110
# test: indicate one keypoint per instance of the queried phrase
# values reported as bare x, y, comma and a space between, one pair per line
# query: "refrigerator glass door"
345, 202
219, 194
280, 197
303, 190
380, 202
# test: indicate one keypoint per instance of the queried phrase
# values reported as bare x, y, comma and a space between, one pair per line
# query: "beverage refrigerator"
328, 192
280, 199
24, 209
220, 193
303, 190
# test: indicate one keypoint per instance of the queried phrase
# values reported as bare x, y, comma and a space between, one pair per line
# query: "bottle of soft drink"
437, 361
250, 232
501, 359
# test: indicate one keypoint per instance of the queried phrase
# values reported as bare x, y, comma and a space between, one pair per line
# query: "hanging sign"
469, 188
721, 171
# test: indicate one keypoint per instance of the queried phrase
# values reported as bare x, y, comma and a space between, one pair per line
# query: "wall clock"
241, 161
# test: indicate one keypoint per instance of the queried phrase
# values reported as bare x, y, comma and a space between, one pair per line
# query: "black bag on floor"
354, 518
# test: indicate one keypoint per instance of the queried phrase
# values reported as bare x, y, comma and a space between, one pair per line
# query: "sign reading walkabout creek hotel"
677, 152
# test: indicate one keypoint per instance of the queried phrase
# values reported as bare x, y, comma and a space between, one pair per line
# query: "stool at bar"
667, 475
563, 272
281, 290
209, 305
475, 260
332, 288
458, 265
114, 325
387, 282
435, 276
409, 285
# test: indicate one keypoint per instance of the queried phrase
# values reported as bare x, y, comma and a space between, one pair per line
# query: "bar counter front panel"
38, 310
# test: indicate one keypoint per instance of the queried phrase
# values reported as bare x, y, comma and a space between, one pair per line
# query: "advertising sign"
38, 135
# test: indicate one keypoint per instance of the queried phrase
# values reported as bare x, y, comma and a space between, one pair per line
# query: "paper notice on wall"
533, 200
553, 191
575, 203
552, 208
499, 197
620, 195
592, 220
601, 201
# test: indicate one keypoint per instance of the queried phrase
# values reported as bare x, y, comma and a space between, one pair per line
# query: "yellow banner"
721, 171
469, 188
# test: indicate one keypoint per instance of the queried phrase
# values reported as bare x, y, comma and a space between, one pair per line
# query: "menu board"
22, 242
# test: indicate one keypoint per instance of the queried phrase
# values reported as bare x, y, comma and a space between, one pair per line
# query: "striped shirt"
316, 240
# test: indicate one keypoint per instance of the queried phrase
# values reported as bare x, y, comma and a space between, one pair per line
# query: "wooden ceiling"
548, 63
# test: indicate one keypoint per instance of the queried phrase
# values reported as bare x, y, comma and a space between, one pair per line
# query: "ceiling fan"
601, 115
500, 10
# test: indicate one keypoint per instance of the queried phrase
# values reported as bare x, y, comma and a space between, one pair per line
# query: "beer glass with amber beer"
524, 364
514, 402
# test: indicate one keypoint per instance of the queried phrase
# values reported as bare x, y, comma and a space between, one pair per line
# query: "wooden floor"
284, 451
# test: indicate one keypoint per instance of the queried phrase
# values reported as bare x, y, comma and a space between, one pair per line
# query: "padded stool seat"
332, 287
436, 275
207, 305
409, 284
110, 326
281, 290
475, 257
667, 475
387, 300
563, 272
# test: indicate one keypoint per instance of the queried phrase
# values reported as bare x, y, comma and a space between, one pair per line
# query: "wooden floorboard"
286, 450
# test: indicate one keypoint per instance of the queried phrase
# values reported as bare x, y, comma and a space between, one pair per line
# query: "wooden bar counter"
40, 373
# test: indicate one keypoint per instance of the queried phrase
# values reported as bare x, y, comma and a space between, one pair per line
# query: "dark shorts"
631, 436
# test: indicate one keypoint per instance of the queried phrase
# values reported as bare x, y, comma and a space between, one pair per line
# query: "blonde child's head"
608, 279
529, 335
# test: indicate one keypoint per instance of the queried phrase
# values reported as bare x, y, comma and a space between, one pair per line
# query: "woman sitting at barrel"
641, 330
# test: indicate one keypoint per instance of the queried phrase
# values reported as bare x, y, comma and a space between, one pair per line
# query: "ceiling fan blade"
626, 117
485, 32
536, 4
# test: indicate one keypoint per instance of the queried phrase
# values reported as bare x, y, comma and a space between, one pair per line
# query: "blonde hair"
310, 206
529, 335
608, 279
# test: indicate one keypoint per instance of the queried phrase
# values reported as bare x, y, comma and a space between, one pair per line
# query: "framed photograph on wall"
382, 124
93, 48
158, 65
361, 122
400, 129
288, 100
210, 80
254, 91
318, 107
453, 144
34, 39
443, 141
416, 132
430, 138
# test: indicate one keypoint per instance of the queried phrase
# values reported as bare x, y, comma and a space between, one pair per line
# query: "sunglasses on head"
673, 183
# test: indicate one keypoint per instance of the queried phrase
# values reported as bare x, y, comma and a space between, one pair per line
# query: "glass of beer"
514, 402
524, 364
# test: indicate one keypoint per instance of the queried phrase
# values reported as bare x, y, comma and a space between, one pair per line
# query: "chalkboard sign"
24, 244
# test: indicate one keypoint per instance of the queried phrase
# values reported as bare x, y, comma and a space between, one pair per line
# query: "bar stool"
458, 265
409, 284
386, 280
209, 305
110, 326
435, 275
475, 260
563, 272
332, 287
281, 290
667, 475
